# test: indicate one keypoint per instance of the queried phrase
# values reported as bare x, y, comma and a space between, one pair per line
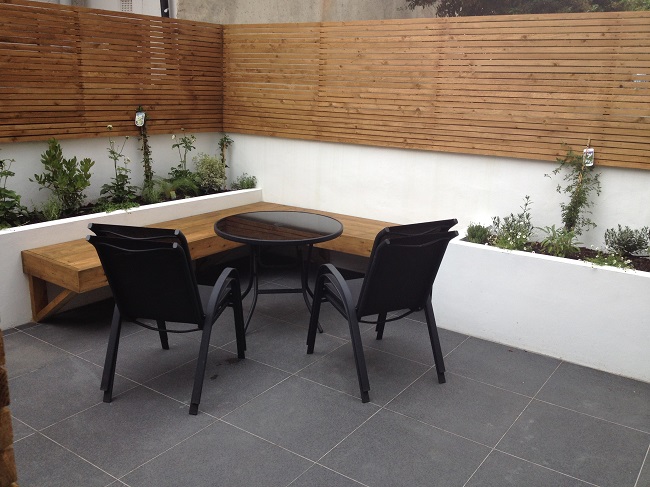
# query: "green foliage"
184, 146
119, 193
50, 210
245, 182
612, 260
626, 241
66, 178
465, 8
147, 162
514, 231
582, 181
12, 213
559, 242
211, 173
224, 143
477, 233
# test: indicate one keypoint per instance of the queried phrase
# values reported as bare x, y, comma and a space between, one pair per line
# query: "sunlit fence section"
514, 86
69, 72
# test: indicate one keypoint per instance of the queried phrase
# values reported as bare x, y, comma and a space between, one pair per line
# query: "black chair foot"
194, 409
365, 397
441, 378
108, 397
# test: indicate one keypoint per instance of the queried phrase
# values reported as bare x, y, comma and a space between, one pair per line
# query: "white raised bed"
575, 311
15, 307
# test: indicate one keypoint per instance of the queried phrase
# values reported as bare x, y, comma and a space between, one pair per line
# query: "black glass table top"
278, 228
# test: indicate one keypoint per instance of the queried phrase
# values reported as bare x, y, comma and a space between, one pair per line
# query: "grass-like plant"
245, 181
559, 242
477, 233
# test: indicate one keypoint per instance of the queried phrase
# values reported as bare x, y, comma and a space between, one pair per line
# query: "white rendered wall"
405, 186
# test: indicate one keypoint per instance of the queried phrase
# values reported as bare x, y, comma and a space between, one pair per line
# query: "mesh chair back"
150, 279
401, 273
414, 229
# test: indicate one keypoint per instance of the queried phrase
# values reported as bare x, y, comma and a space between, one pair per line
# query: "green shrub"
12, 213
477, 233
66, 178
559, 242
211, 173
119, 193
245, 182
626, 241
514, 231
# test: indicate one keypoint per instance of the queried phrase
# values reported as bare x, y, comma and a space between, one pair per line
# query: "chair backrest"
150, 279
401, 272
141, 233
414, 229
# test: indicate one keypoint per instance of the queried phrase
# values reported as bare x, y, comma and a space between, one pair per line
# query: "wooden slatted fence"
69, 72
513, 86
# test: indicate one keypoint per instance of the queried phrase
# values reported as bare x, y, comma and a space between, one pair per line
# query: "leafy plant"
612, 260
582, 181
66, 178
119, 193
148, 194
184, 146
477, 233
245, 182
211, 172
626, 241
224, 143
559, 242
50, 210
12, 213
514, 231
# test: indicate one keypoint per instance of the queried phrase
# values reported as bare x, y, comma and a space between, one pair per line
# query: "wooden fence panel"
512, 86
69, 72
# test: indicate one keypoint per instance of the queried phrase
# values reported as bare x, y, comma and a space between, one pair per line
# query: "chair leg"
162, 331
108, 375
435, 342
359, 358
381, 322
240, 327
199, 373
313, 319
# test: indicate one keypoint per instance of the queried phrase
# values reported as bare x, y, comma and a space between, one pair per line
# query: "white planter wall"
406, 186
585, 314
15, 305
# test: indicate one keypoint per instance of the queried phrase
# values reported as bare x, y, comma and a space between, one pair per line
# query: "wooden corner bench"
75, 267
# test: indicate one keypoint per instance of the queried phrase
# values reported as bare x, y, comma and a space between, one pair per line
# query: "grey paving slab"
587, 448
284, 346
501, 470
131, 430
63, 388
20, 429
302, 416
318, 476
41, 462
502, 366
599, 394
228, 383
391, 450
462, 406
410, 339
644, 475
388, 374
220, 455
140, 356
25, 354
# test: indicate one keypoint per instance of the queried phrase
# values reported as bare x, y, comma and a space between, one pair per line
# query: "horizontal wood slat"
513, 86
521, 86
68, 72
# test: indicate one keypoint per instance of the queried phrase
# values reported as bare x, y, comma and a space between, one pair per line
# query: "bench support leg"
41, 308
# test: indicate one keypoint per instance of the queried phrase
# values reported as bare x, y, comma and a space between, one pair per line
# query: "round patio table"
260, 229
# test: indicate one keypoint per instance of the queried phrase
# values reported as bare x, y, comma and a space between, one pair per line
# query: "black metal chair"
403, 265
154, 280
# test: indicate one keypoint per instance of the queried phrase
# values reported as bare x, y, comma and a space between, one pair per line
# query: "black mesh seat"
153, 280
402, 268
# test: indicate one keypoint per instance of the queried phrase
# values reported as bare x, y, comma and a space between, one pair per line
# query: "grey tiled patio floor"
505, 417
